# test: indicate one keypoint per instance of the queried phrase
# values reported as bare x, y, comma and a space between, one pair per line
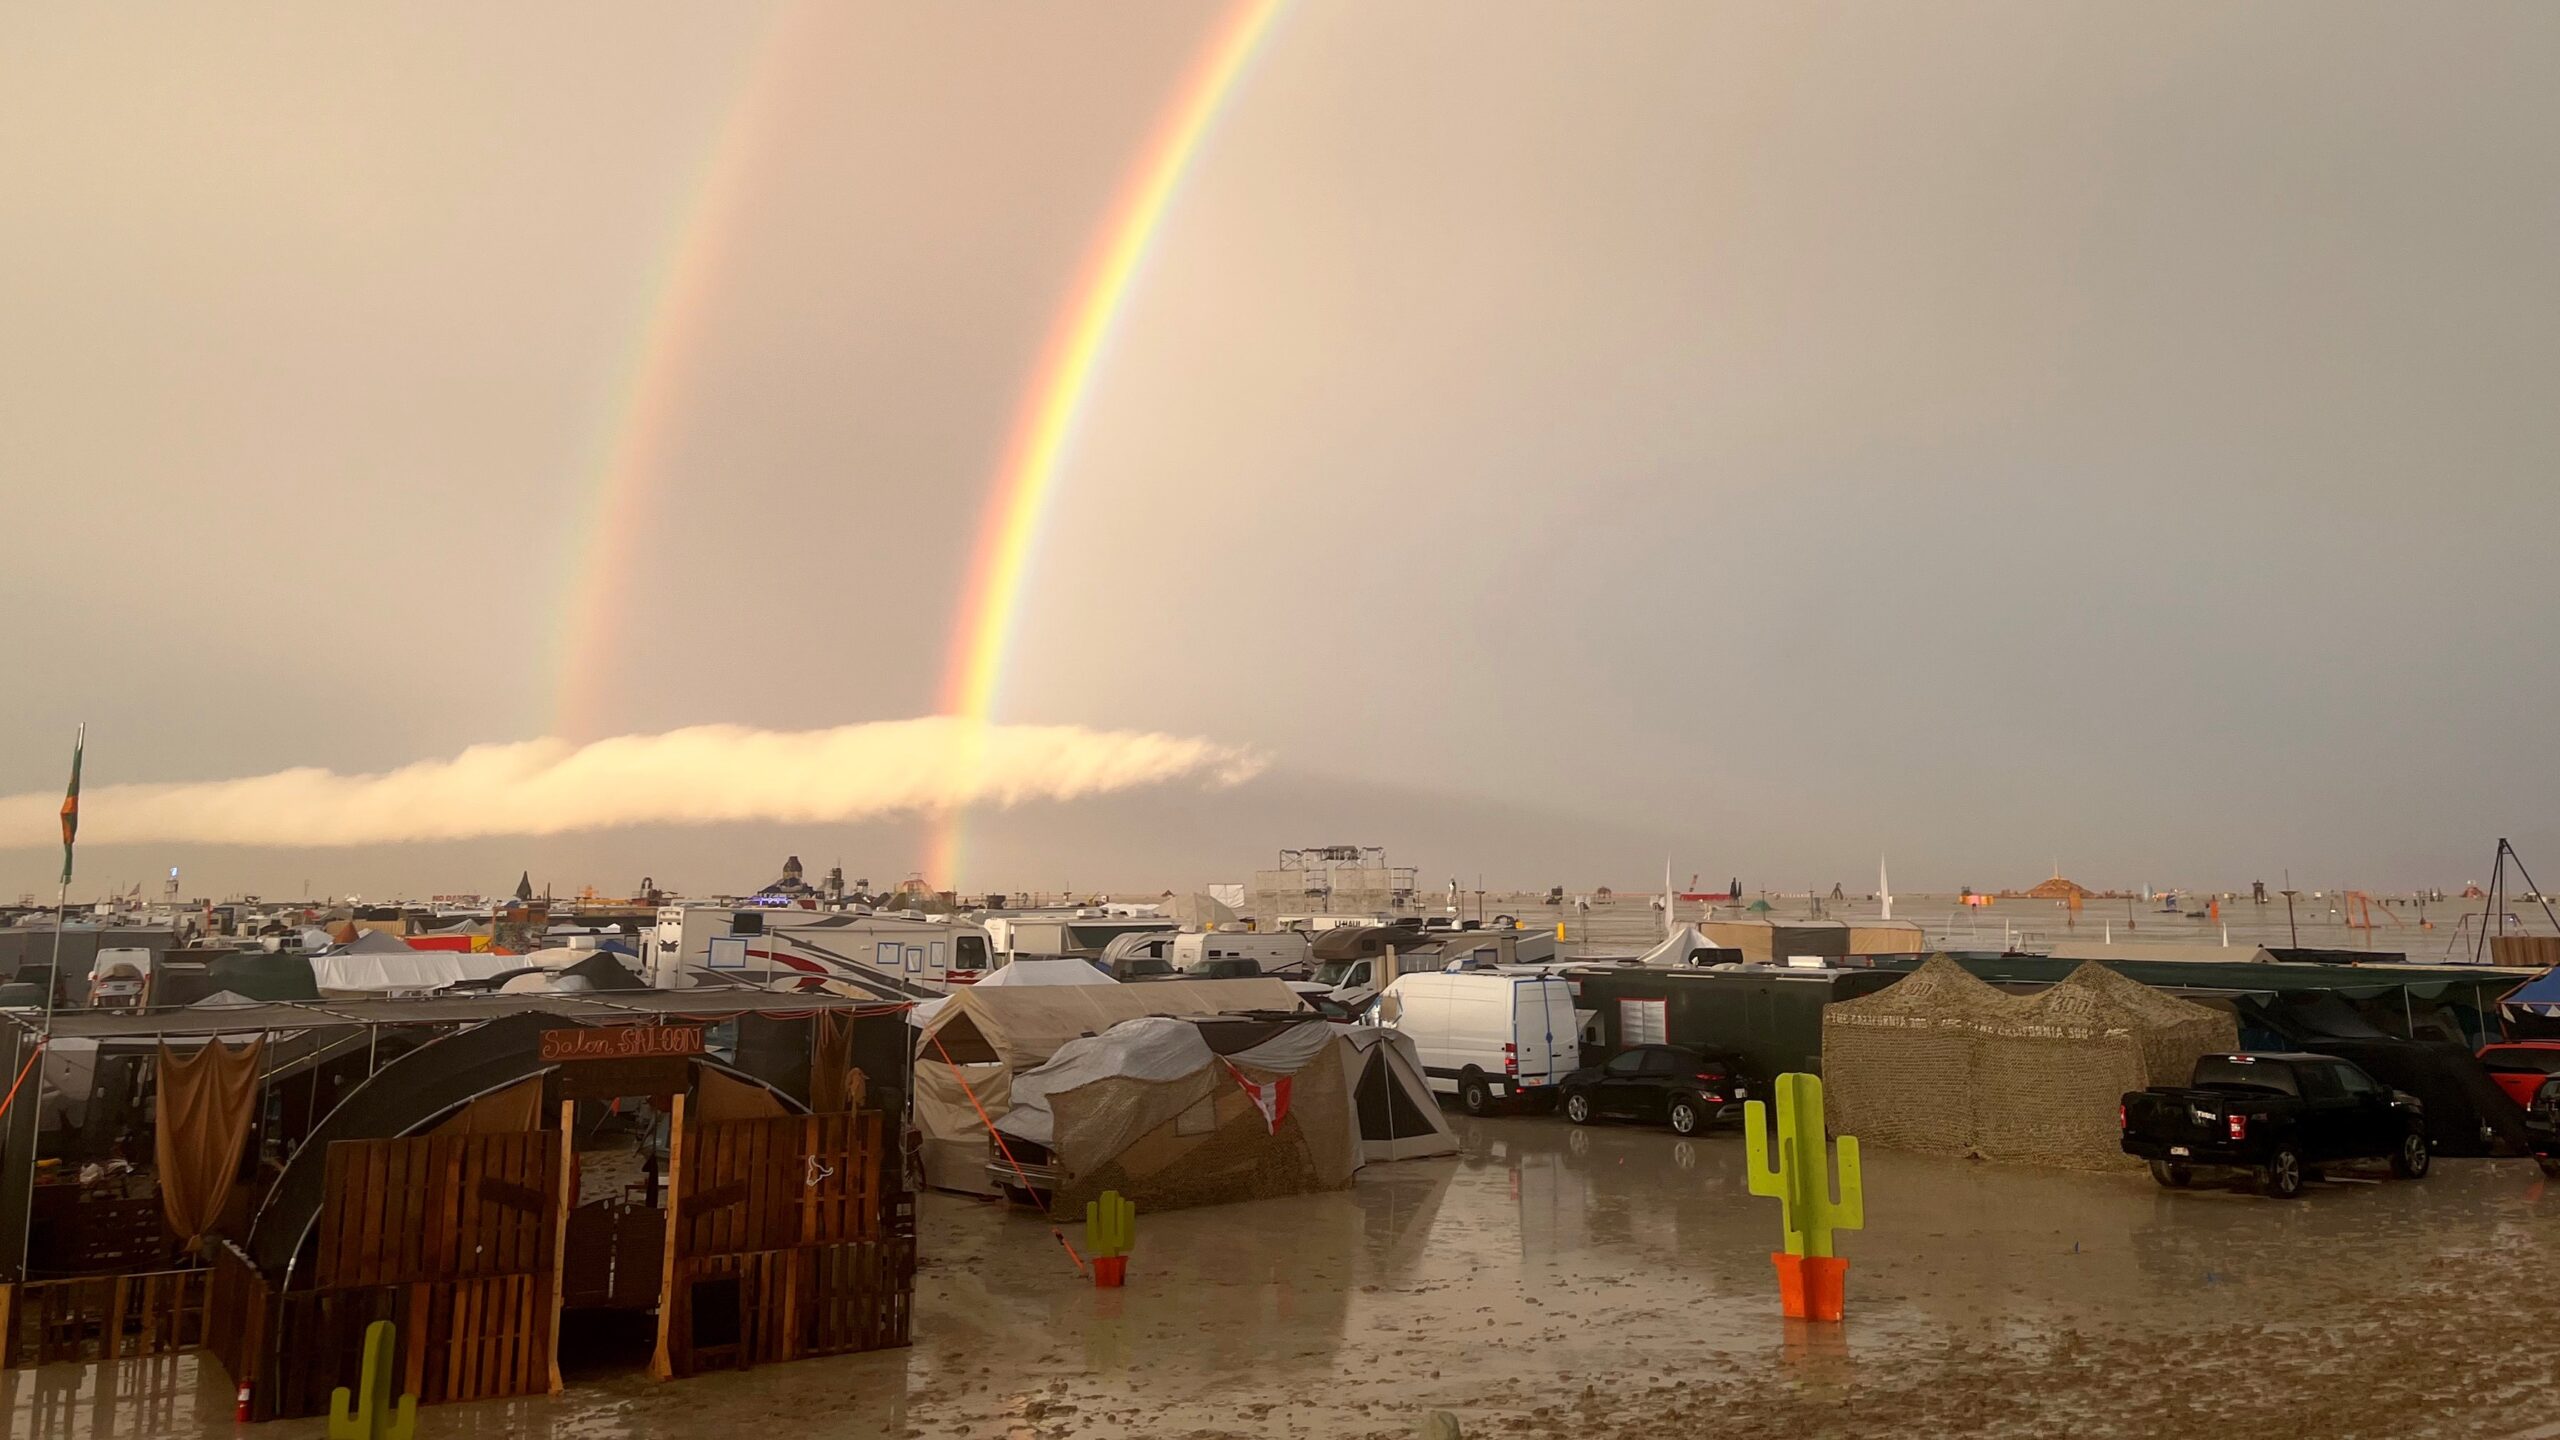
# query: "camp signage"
621, 1042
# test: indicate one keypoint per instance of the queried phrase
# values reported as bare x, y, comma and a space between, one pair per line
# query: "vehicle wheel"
1474, 1096
1684, 1116
1577, 1107
2409, 1162
2173, 1177
2550, 1163
2281, 1176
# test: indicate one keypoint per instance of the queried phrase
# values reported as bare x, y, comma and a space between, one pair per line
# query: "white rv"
894, 957
1243, 954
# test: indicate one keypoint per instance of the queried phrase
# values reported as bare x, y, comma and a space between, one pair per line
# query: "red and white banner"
1271, 1098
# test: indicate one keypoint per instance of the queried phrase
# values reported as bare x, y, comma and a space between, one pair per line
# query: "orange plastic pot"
1109, 1271
1826, 1285
1811, 1287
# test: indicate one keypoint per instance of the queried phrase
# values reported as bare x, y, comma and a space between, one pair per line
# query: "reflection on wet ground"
1616, 1281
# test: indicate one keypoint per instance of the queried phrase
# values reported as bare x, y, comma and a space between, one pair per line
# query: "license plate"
2177, 1149
1530, 1084
1739, 1092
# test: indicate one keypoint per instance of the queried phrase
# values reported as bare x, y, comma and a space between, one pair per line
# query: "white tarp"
1020, 972
413, 970
1677, 949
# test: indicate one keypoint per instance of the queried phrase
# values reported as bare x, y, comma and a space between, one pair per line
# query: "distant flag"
71, 803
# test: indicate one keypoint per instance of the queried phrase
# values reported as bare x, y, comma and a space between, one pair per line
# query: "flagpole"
62, 901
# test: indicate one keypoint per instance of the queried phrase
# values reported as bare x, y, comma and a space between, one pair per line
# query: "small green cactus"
374, 1419
1798, 1180
1110, 1224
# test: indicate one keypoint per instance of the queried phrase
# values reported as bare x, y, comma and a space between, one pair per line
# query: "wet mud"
1615, 1282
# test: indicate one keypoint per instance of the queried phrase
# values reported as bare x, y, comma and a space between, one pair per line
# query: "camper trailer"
1242, 955
891, 956
1069, 934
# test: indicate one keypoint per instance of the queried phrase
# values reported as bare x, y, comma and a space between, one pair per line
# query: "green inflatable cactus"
1799, 1179
1110, 1224
374, 1419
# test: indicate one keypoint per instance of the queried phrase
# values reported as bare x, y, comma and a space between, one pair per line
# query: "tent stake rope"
1003, 1149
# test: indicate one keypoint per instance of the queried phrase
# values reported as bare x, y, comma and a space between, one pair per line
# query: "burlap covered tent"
969, 1052
1944, 1064
1173, 1113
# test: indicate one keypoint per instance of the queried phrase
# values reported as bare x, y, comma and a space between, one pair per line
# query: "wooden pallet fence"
94, 1319
792, 1240
780, 1183
437, 1208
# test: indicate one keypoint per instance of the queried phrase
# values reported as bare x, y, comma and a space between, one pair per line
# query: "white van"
1487, 1037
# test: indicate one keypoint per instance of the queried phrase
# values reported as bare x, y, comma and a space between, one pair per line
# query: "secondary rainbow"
640, 413
1009, 533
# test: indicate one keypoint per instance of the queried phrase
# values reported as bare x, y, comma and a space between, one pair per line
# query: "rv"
1242, 955
1069, 934
895, 957
1352, 969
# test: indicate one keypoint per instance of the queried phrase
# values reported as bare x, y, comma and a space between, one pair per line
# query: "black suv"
1663, 1084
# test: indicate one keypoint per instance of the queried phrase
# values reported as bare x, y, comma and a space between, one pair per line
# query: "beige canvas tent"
1942, 1063
974, 1045
1200, 1110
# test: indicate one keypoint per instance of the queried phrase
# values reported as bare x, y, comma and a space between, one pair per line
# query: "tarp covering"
511, 1111
1676, 950
1020, 972
2538, 996
352, 972
2466, 1112
205, 1108
1153, 1110
1200, 912
989, 1033
1023, 1026
1942, 1063
716, 1097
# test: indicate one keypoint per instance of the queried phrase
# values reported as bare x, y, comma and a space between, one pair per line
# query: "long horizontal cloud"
701, 774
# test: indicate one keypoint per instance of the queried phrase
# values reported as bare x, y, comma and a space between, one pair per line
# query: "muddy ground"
1615, 1282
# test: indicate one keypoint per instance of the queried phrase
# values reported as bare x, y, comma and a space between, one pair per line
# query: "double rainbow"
1008, 535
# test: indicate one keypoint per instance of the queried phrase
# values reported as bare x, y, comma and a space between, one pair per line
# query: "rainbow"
643, 407
1008, 535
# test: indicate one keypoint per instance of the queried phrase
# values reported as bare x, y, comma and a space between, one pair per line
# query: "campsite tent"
968, 1053
1192, 1111
1399, 1120
1677, 949
1942, 1063
1020, 972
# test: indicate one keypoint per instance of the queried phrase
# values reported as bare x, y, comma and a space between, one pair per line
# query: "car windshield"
1335, 972
1149, 967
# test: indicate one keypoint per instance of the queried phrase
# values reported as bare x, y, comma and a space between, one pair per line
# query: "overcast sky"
1558, 437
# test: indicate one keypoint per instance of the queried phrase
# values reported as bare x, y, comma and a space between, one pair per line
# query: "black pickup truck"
2280, 1115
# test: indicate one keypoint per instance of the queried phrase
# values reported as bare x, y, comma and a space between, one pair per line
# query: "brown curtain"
717, 1097
834, 1056
504, 1112
206, 1103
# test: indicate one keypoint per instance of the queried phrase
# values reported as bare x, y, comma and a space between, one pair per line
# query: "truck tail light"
2239, 1126
2121, 1122
1510, 1059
